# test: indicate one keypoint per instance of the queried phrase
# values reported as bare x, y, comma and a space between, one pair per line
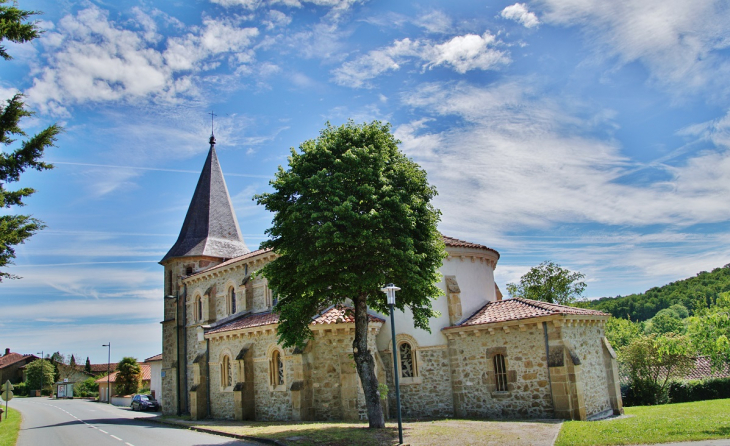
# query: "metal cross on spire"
212, 138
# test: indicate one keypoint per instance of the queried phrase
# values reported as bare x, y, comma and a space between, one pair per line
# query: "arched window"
500, 373
231, 301
226, 372
198, 309
189, 271
407, 360
276, 369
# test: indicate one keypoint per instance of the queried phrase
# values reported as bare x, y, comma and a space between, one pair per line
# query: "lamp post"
41, 373
108, 373
390, 290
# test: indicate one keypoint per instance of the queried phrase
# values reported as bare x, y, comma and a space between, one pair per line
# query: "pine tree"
15, 229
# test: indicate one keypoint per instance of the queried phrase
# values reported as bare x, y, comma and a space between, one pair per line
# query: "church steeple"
210, 227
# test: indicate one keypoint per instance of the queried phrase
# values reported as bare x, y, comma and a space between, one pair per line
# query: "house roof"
456, 243
333, 315
154, 358
448, 241
519, 308
210, 227
98, 368
703, 370
13, 358
146, 374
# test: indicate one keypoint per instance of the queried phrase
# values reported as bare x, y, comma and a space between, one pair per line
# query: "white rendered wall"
156, 379
475, 277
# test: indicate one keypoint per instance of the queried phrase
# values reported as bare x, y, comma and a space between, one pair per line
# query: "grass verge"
9, 428
701, 420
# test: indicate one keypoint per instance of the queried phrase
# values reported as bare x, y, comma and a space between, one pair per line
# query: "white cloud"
681, 43
435, 22
91, 59
255, 4
461, 53
520, 14
519, 162
277, 19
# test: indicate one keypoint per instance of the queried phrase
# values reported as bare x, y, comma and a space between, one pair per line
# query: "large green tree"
351, 214
129, 376
15, 229
709, 330
33, 372
549, 282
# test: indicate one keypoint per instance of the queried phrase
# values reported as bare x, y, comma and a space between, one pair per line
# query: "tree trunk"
366, 364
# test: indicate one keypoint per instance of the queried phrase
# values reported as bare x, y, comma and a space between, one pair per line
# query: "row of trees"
128, 379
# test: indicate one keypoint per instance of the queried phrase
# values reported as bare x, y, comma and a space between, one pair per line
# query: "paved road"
80, 422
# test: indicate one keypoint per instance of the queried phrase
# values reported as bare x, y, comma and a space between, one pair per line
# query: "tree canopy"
351, 214
549, 282
34, 370
15, 229
694, 293
129, 376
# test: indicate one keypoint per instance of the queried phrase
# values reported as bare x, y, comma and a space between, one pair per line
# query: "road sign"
7, 394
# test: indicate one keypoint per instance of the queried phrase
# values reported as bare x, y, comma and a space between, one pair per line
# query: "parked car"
144, 402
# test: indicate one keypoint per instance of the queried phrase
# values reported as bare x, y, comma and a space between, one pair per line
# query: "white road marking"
100, 430
115, 437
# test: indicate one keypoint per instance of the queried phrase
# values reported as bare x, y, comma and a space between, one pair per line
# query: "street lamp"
390, 290
108, 373
41, 372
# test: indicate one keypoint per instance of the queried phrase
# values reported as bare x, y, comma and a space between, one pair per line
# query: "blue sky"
594, 134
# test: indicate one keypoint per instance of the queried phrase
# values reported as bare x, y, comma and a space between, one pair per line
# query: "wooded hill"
694, 293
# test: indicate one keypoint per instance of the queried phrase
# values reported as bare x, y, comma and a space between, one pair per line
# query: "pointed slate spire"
210, 227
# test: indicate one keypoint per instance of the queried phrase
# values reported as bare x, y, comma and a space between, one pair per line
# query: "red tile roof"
448, 241
154, 358
340, 315
231, 261
703, 370
98, 368
146, 374
456, 243
518, 308
333, 315
12, 358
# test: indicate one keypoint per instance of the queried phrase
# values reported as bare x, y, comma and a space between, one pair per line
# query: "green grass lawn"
702, 420
9, 428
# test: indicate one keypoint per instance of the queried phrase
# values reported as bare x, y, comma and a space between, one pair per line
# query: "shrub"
644, 392
699, 390
87, 388
20, 389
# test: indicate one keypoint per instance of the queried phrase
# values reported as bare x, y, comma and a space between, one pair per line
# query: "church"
486, 357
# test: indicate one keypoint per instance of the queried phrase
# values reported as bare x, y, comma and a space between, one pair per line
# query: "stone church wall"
586, 340
430, 393
472, 373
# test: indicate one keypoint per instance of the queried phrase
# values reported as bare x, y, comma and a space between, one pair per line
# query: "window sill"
410, 381
501, 394
227, 389
279, 388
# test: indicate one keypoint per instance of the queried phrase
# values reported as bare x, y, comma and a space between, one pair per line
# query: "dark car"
144, 402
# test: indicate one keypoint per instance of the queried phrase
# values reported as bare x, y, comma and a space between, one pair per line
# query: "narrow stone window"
189, 271
226, 372
500, 373
276, 369
231, 300
407, 360
198, 309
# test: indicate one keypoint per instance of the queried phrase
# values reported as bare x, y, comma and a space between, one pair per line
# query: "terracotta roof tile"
247, 321
340, 315
518, 308
448, 241
146, 374
703, 370
154, 358
456, 243
333, 315
231, 261
12, 358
